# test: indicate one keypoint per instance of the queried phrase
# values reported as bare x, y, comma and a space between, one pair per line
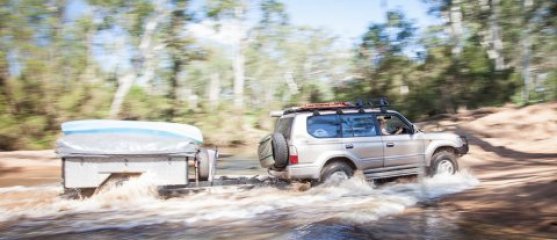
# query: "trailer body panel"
92, 172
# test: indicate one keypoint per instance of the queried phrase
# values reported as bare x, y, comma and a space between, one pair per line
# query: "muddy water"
349, 209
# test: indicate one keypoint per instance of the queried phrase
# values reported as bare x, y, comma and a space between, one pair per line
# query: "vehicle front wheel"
443, 162
336, 172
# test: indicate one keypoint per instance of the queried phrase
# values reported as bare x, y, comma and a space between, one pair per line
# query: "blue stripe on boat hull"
129, 131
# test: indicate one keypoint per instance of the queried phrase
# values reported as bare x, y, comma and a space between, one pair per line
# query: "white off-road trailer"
95, 152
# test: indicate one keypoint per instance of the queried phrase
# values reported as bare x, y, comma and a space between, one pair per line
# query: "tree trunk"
455, 20
126, 81
526, 62
174, 89
239, 58
4, 86
495, 43
239, 77
213, 91
88, 74
55, 68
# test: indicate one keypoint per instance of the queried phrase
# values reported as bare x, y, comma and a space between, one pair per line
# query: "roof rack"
382, 103
360, 104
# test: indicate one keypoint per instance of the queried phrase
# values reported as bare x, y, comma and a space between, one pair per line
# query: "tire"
280, 150
443, 161
78, 193
273, 151
265, 152
336, 171
206, 165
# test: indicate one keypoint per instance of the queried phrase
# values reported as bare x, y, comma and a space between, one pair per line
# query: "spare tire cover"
265, 152
273, 151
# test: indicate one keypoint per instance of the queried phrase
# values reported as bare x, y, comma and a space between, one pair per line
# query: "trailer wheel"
207, 164
78, 193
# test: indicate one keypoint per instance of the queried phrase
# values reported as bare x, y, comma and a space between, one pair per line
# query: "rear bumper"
297, 172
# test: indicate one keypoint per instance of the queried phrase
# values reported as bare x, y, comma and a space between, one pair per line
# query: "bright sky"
346, 19
349, 19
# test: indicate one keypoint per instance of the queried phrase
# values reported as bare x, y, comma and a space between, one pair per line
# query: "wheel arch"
432, 149
445, 148
346, 160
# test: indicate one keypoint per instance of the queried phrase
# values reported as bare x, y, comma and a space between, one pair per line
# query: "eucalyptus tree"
139, 21
42, 54
518, 37
234, 11
383, 66
181, 50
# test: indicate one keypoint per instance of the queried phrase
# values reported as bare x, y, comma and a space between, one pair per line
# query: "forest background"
54, 67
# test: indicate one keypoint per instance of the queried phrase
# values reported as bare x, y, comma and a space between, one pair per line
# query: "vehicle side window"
358, 125
393, 125
324, 126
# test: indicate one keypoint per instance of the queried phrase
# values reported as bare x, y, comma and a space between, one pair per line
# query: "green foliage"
140, 105
50, 71
441, 80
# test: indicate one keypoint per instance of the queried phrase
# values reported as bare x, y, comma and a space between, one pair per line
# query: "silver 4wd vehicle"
321, 141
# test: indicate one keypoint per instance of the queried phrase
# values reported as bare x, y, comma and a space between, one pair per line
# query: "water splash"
136, 203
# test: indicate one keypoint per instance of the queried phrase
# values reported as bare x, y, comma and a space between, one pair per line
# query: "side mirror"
415, 129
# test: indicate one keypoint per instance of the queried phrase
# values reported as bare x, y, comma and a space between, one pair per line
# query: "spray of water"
136, 203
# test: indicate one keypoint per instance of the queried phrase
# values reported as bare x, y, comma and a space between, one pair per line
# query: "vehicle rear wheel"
443, 162
336, 172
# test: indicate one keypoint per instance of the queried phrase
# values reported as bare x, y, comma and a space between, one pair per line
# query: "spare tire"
273, 151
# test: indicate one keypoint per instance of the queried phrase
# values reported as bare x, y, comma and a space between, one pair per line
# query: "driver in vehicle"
383, 127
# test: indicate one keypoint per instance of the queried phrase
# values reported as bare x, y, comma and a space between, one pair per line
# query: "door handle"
390, 144
349, 146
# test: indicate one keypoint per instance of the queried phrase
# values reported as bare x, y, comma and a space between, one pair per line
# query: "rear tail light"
293, 158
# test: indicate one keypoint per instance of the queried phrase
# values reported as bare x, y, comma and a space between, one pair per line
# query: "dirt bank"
27, 168
514, 154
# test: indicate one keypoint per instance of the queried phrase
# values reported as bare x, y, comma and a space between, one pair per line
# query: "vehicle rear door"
326, 137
